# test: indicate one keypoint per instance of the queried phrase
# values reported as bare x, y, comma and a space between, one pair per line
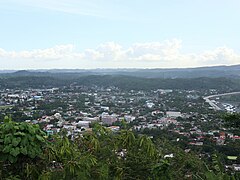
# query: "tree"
232, 120
217, 172
100, 154
21, 148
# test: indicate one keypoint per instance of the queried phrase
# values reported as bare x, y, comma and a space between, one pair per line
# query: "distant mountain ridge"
212, 72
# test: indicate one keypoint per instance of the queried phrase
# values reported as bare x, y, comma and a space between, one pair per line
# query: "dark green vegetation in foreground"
26, 153
120, 81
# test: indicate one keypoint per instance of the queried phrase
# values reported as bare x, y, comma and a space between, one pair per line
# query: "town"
184, 117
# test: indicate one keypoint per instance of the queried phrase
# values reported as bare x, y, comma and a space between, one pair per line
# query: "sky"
88, 34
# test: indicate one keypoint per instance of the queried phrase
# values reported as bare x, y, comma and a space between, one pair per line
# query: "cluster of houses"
74, 109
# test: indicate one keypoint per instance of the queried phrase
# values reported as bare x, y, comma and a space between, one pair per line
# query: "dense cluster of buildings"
74, 109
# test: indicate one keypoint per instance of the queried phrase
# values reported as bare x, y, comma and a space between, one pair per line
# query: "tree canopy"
27, 153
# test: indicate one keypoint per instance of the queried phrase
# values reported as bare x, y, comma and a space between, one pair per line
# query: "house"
173, 114
129, 118
236, 167
83, 124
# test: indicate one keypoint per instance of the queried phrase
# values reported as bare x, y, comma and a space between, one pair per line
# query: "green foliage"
20, 139
232, 120
20, 143
122, 81
99, 154
182, 165
139, 83
217, 172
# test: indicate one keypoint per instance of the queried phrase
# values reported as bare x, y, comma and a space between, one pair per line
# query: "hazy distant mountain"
225, 78
214, 71
22, 72
27, 73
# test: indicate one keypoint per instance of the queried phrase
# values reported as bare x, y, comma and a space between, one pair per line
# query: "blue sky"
118, 33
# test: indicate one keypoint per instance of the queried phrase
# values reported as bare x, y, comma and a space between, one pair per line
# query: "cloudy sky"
37, 34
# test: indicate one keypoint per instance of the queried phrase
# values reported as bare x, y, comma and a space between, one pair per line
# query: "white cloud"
112, 55
57, 52
155, 50
112, 51
220, 55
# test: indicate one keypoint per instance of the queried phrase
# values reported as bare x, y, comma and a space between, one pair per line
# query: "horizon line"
46, 69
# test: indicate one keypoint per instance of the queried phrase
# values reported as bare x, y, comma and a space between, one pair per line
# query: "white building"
173, 114
129, 118
83, 124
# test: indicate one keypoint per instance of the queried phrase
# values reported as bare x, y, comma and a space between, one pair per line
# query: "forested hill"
210, 72
123, 82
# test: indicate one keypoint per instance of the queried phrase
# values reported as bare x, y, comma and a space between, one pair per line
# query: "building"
108, 119
173, 114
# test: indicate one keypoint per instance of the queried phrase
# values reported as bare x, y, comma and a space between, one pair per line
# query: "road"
213, 104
